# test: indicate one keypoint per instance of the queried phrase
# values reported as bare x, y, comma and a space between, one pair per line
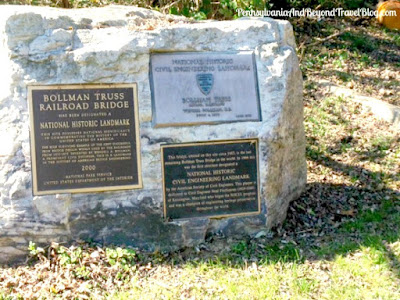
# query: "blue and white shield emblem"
205, 82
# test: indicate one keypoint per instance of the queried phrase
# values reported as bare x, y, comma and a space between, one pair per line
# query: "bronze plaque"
210, 179
84, 138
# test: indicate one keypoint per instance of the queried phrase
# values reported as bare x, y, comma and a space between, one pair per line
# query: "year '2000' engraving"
84, 138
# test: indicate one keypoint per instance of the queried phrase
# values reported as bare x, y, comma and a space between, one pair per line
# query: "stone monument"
124, 126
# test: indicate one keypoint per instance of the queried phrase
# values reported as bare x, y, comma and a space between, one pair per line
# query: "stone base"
112, 45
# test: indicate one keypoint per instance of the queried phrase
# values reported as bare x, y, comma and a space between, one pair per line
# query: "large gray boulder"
45, 46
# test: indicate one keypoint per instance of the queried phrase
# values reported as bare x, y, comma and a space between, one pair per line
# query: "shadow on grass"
376, 47
330, 220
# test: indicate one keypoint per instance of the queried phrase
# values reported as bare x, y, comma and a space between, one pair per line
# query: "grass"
363, 57
364, 274
341, 239
358, 259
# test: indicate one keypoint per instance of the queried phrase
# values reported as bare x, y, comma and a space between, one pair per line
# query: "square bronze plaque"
191, 88
84, 138
211, 179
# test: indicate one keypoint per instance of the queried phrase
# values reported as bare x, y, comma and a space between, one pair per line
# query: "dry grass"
341, 239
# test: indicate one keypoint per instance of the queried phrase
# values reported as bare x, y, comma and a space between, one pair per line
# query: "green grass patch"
283, 253
363, 274
359, 41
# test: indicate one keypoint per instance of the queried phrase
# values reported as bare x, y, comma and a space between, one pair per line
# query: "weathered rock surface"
111, 45
381, 109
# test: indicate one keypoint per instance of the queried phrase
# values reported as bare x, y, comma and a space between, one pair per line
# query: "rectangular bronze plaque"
84, 138
204, 88
210, 179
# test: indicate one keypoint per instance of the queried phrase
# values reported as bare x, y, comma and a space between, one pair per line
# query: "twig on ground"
303, 47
